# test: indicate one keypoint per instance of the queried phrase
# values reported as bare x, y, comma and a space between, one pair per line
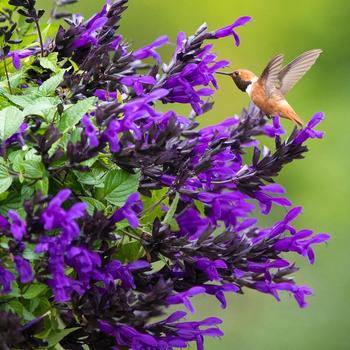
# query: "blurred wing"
270, 75
296, 69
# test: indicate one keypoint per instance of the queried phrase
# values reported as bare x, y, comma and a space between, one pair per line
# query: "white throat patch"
249, 87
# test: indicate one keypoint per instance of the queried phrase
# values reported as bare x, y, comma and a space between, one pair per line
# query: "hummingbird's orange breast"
272, 105
275, 104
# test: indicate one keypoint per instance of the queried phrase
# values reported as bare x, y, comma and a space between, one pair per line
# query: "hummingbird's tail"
289, 113
297, 120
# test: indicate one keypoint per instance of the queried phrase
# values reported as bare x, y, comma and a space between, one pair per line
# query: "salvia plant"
114, 208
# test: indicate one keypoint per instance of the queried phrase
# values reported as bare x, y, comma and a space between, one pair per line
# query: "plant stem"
40, 37
130, 235
7, 74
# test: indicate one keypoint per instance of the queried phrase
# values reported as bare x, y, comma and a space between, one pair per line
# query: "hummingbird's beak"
223, 73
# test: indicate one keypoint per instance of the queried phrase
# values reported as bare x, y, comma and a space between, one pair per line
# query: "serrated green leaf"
118, 186
16, 159
92, 204
33, 168
49, 86
41, 106
49, 62
58, 335
10, 120
73, 114
92, 178
35, 290
5, 179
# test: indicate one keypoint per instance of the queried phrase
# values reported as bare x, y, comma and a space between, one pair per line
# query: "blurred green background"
319, 183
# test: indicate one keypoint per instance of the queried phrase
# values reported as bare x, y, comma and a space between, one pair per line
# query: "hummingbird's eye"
236, 73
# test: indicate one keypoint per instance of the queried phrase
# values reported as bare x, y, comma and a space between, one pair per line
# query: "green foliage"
10, 120
117, 186
73, 114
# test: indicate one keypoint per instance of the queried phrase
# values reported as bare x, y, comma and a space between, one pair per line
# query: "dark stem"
7, 74
40, 37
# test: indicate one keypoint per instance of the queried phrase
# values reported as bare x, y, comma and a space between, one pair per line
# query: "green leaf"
41, 106
17, 77
5, 179
42, 186
118, 186
35, 290
33, 168
129, 252
20, 310
170, 214
10, 120
73, 114
150, 215
20, 100
49, 86
27, 192
92, 204
49, 62
16, 158
59, 334
93, 177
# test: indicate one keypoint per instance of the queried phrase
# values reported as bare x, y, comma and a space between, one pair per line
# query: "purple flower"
183, 297
90, 131
210, 267
308, 132
6, 279
18, 136
138, 82
54, 216
20, 54
94, 25
301, 243
229, 30
191, 224
275, 129
83, 261
149, 50
18, 226
124, 272
129, 211
104, 95
24, 269
219, 291
111, 135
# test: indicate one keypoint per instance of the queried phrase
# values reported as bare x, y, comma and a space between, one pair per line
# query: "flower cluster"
114, 209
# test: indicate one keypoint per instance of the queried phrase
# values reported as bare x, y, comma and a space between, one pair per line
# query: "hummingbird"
269, 90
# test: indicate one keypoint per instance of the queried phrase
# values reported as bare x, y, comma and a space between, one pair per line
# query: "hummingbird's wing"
295, 70
270, 75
